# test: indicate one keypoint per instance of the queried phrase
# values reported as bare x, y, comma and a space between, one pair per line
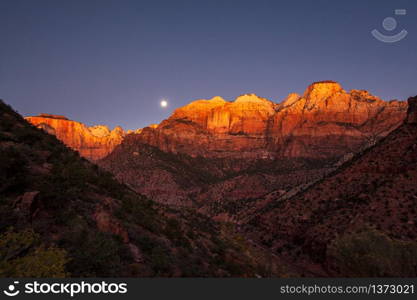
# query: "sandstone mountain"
326, 122
220, 156
61, 215
92, 143
361, 220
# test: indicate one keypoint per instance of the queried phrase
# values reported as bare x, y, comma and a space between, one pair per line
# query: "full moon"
164, 103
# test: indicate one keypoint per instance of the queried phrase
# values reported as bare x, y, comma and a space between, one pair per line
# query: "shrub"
93, 253
160, 260
371, 253
21, 255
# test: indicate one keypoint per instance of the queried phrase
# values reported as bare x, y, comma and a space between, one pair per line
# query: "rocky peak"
59, 117
104, 131
99, 130
136, 131
250, 105
194, 109
118, 130
362, 95
252, 98
322, 90
217, 99
290, 100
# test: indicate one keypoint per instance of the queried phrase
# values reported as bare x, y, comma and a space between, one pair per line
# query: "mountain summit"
326, 121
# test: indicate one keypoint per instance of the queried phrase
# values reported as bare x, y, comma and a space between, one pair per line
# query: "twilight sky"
111, 62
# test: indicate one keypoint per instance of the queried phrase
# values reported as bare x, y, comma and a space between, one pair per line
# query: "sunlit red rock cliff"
91, 142
325, 122
251, 142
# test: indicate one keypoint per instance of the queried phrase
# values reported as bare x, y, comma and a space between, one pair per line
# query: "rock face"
325, 122
92, 143
211, 150
221, 156
216, 128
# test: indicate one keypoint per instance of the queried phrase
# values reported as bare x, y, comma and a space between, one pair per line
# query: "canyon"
218, 156
308, 186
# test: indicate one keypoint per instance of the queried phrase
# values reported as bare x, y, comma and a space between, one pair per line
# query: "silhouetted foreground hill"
61, 215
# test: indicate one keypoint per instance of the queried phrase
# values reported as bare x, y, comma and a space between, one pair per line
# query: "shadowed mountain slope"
359, 221
61, 215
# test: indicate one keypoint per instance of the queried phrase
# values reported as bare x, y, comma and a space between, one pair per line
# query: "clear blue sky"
111, 62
